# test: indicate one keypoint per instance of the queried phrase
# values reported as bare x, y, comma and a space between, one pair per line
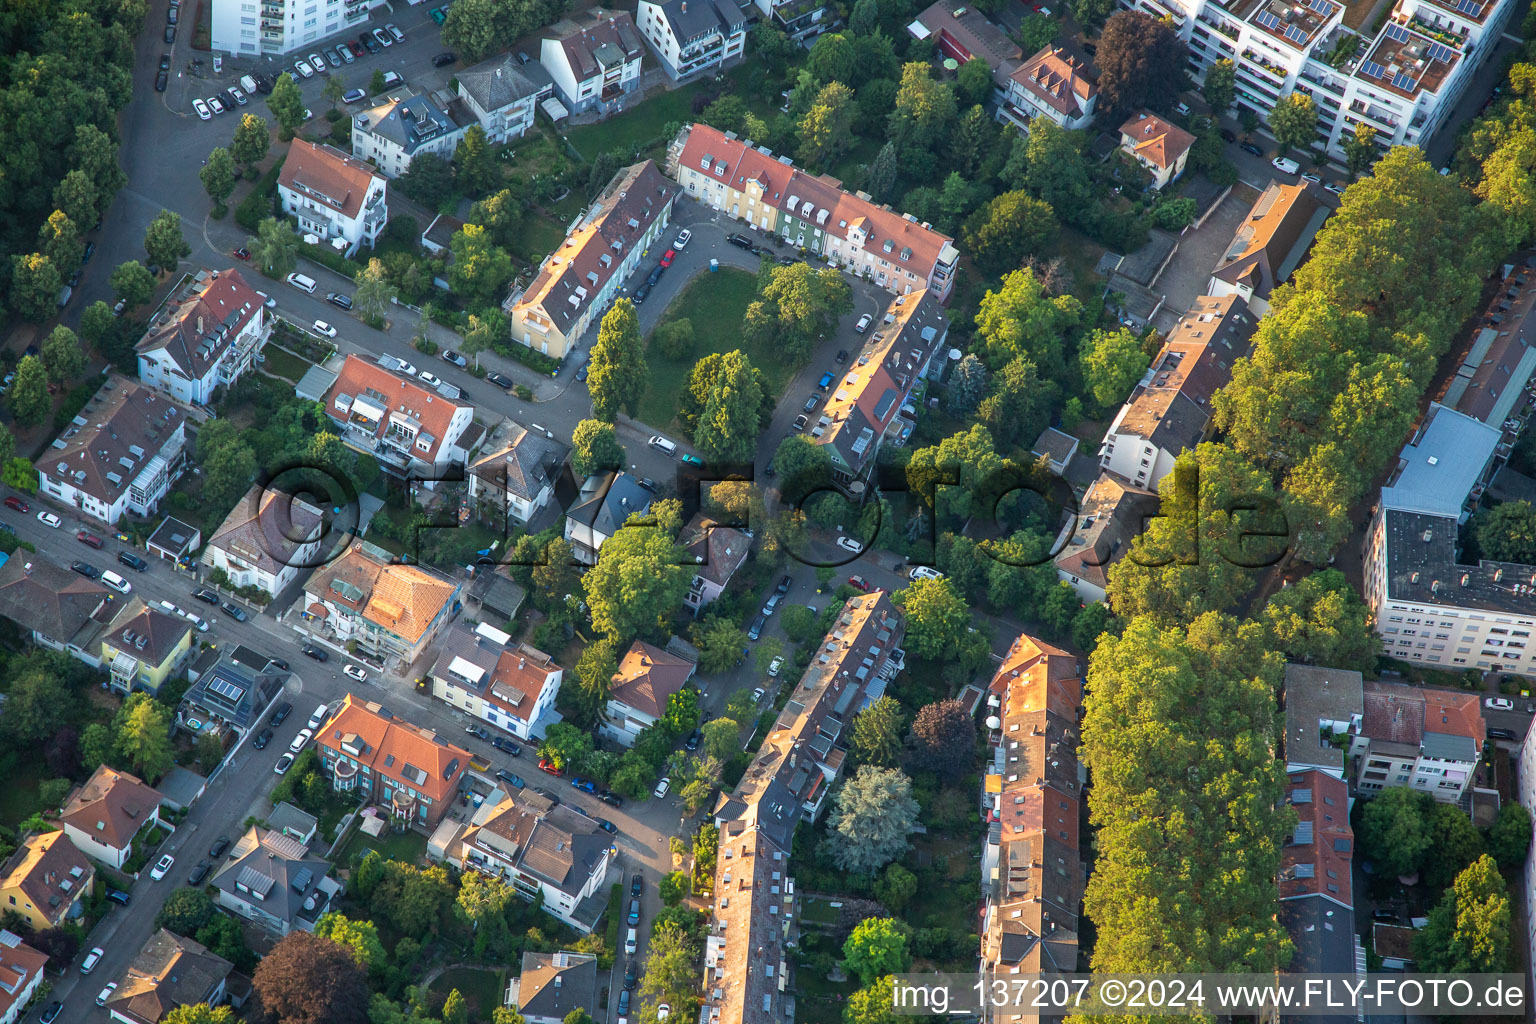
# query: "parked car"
1228, 135
741, 241
450, 356
283, 711
690, 460
505, 383
199, 873
339, 300
236, 95
548, 767
170, 38
662, 787
812, 402
162, 79
772, 604
503, 744
785, 582
924, 572
369, 42
641, 292
304, 69
88, 538
1334, 187
91, 960
667, 257
863, 324
683, 238
86, 569
849, 544
1285, 165
382, 38
583, 370
330, 58
630, 945
756, 629
396, 33
858, 583
841, 357
757, 695
631, 974
17, 504
1499, 704
826, 381
512, 780
234, 611
478, 732
775, 666
345, 53
1502, 734
607, 826
203, 112
636, 884
1251, 149
278, 663
353, 96
429, 379
304, 736
162, 867
444, 59
323, 329
353, 672
283, 764
206, 596
585, 785
262, 738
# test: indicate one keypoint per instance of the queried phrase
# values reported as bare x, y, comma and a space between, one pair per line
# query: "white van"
1285, 165
248, 84
661, 444
630, 943
316, 719
305, 283
116, 582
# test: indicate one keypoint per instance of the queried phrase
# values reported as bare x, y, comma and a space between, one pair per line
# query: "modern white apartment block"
333, 195
1420, 738
250, 28
689, 40
594, 58
1403, 80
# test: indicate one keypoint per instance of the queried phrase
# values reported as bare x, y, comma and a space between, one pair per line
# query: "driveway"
1200, 249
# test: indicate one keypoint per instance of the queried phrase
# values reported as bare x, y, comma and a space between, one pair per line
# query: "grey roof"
287, 819
608, 500
39, 595
596, 40
176, 536
1323, 932
1439, 467
235, 690
315, 383
264, 859
503, 81
529, 463
146, 633
169, 971
408, 123
564, 849
266, 528
1316, 694
554, 984
696, 19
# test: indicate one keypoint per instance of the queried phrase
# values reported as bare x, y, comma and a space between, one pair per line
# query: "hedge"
257, 206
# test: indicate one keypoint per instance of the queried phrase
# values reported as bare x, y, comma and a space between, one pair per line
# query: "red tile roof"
1058, 81
213, 310
1316, 858
1155, 140
360, 378
327, 175
111, 807
394, 748
19, 964
735, 163
647, 677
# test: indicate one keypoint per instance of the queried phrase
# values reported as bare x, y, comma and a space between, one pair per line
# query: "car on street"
683, 238
17, 504
1285, 165
631, 975
514, 781
304, 69
585, 785
444, 59
396, 33
304, 736
849, 544
170, 37
203, 112
841, 357
863, 324
317, 62
1251, 149
369, 42
812, 402
1228, 135
756, 629
858, 583
353, 96
91, 960
162, 79
283, 711
172, 15
439, 15
206, 596
119, 897
1502, 734
507, 746
429, 379
317, 716
583, 370
692, 742
344, 52
51, 1014
236, 95
690, 460
663, 1011
283, 764
382, 38
611, 799
278, 663
339, 300
1334, 187
630, 945
771, 605
234, 611
199, 873
243, 254
450, 356
162, 867
219, 846
548, 767
478, 732
409, 369
668, 256
1313, 177
505, 383
353, 672
825, 382
741, 241
607, 826
262, 738
775, 666
324, 329
662, 787
1499, 704
90, 539
331, 58
924, 572
636, 884
86, 569
801, 422
757, 695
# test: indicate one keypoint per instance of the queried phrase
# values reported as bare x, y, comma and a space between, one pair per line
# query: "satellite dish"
993, 722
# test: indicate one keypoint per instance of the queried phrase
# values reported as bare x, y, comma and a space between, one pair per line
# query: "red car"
242, 253
666, 259
89, 538
17, 504
546, 766
858, 582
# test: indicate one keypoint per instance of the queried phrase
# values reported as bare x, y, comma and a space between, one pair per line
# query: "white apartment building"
1420, 738
1052, 84
503, 93
250, 28
594, 58
691, 40
511, 686
204, 336
120, 454
266, 540
402, 128
333, 195
1404, 80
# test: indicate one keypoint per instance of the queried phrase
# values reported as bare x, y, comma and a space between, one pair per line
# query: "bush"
257, 206
426, 346
330, 258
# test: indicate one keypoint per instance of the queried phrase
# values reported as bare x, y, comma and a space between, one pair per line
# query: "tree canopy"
872, 814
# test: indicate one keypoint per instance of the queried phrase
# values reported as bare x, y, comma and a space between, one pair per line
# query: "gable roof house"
266, 540
603, 506
378, 756
869, 403
169, 971
646, 679
393, 133
689, 41
1317, 904
503, 93
1422, 738
120, 454
602, 248
1158, 146
518, 480
232, 693
274, 881
1054, 83
1269, 245
1112, 513
102, 817
1169, 410
730, 175
392, 610
411, 429
594, 58
717, 552
143, 646
204, 336
961, 32
1031, 871
61, 609
511, 686
44, 880
333, 195
21, 971
553, 985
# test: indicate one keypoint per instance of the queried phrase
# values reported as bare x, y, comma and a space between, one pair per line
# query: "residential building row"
753, 910
813, 212
1031, 868
1403, 76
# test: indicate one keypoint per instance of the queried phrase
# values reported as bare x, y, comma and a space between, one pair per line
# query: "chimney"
199, 323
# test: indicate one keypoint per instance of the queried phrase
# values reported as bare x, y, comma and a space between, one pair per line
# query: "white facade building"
402, 128
266, 540
692, 36
250, 28
333, 195
503, 93
594, 59
205, 336
511, 686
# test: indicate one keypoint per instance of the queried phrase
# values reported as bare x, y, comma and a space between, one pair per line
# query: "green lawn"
483, 989
540, 236
640, 126
407, 847
819, 1001
284, 364
716, 304
818, 911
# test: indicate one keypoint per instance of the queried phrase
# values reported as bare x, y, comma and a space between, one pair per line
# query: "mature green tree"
735, 404
1036, 32
1021, 318
722, 738
1322, 620
617, 376
35, 286
144, 740
374, 293
133, 283
480, 267
1294, 122
896, 887
877, 733
97, 324
1141, 64
1469, 931
37, 706
832, 59
924, 112
218, 175
59, 239
961, 476
228, 470
674, 338
826, 130
163, 240
286, 104
967, 386
501, 213
802, 467
1394, 830
77, 196
1220, 86
720, 643
973, 83
455, 1009
873, 1004
477, 29
1454, 843
637, 583
475, 164
28, 397
361, 938
876, 946
943, 740
275, 247
1189, 833
669, 975
1506, 532
1359, 149
808, 304
483, 898
872, 815
1509, 838
252, 140
309, 980
63, 360
1112, 362
1012, 227
200, 1013
882, 173
865, 18
595, 448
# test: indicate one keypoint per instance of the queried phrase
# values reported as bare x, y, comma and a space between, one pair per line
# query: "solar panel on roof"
1322, 7
1266, 20
1397, 32
1295, 35
302, 879
1441, 52
1470, 7
1405, 83
1373, 69
226, 689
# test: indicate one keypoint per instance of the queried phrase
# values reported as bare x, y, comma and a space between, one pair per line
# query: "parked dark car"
51, 1014
444, 59
17, 504
1228, 135
86, 569
581, 371
161, 80
612, 799
784, 584
692, 742
636, 884
757, 628
262, 739
634, 912
170, 34
812, 402
787, 261
607, 826
278, 663
339, 300
655, 276
504, 744
132, 561
741, 241
311, 651
368, 43
219, 846
234, 611
120, 897
1502, 734
641, 292
172, 15
478, 732
206, 596
90, 539
264, 84
512, 780
648, 484
623, 1002
505, 383
1249, 147
842, 356
199, 873
631, 974
283, 711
